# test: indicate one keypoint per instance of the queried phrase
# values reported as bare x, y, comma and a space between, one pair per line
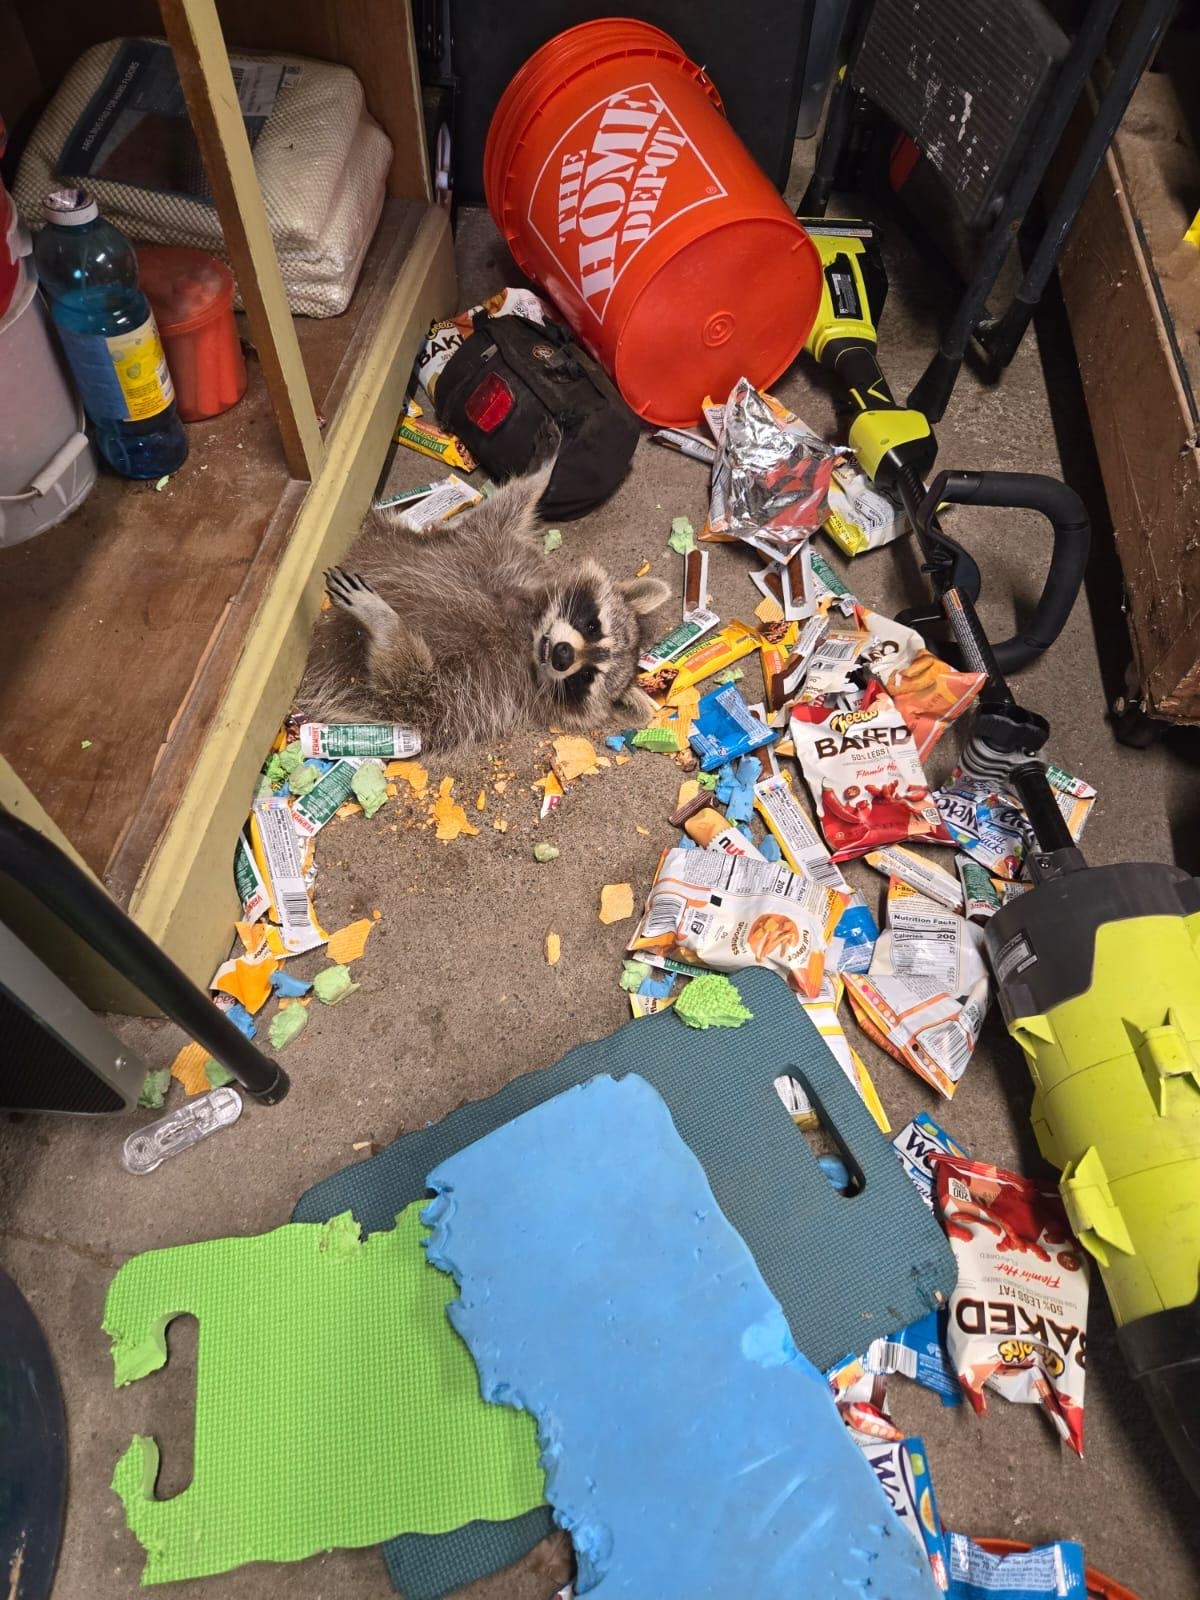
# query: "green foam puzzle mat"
845, 1268
335, 1405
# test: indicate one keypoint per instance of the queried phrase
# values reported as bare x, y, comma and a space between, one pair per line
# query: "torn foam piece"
332, 984
711, 1001
287, 1023
370, 787
298, 1453
884, 1259
771, 1482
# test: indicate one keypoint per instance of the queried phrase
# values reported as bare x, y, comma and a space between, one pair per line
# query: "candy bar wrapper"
934, 882
728, 912
861, 517
864, 775
771, 476
1049, 1572
918, 1145
699, 660
822, 1013
726, 729
990, 824
787, 650
446, 500
981, 898
799, 841
1018, 1313
429, 440
689, 632
901, 1465
251, 887
712, 831
277, 852
926, 994
329, 740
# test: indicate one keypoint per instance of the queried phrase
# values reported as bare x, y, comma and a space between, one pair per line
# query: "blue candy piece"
615, 741
287, 987
768, 848
241, 1018
726, 784
602, 1289
741, 804
658, 984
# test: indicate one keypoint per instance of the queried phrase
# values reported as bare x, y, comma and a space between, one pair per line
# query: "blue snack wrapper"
726, 728
1050, 1572
858, 931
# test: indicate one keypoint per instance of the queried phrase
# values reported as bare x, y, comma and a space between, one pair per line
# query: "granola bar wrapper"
1018, 1314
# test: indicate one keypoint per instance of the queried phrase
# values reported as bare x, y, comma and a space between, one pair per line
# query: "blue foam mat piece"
689, 1448
845, 1269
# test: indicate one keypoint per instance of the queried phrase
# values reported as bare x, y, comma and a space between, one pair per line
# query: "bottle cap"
70, 208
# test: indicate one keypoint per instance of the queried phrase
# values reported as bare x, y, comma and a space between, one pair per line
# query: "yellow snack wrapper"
720, 650
412, 430
824, 1017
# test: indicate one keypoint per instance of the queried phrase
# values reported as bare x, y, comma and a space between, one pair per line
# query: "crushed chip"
412, 772
616, 902
188, 1068
645, 832
449, 816
642, 570
348, 943
481, 800
553, 949
574, 757
768, 609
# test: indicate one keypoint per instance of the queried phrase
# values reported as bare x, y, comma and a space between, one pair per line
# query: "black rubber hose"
1065, 512
33, 861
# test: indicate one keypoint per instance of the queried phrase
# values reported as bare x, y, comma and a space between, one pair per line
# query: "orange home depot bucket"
621, 188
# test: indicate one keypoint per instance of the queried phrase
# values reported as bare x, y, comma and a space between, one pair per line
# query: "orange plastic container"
191, 294
621, 188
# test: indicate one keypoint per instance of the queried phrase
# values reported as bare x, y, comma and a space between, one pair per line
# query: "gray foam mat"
845, 1268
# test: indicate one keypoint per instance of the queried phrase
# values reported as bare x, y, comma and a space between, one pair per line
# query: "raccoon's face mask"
587, 642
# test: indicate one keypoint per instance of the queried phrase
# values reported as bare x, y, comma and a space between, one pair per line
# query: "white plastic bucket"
47, 465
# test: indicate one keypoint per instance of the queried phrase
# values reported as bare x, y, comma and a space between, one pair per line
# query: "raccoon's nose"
561, 656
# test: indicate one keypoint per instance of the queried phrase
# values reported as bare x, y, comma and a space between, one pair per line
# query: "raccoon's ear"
644, 595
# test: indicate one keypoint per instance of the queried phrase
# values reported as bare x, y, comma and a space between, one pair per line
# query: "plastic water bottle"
89, 272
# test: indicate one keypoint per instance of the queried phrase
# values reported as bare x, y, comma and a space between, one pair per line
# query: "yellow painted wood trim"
185, 898
16, 796
202, 59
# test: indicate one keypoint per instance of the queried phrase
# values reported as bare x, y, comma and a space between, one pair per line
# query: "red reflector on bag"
491, 402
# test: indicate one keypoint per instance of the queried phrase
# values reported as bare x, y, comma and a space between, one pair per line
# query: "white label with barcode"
663, 915
798, 838
285, 872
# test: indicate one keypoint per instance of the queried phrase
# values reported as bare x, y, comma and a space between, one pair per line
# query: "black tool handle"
1065, 512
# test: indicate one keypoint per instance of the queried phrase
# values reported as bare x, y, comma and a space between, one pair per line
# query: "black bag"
513, 385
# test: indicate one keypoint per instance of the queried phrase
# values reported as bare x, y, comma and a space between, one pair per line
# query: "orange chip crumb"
348, 943
553, 949
188, 1069
616, 902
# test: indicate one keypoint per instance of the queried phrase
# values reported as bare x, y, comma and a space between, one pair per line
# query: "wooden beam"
185, 898
194, 32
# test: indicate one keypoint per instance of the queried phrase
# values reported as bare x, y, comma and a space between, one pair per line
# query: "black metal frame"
40, 867
998, 336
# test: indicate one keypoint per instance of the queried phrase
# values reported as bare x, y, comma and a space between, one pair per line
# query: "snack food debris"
551, 540
412, 772
449, 816
333, 984
682, 537
616, 902
633, 974
286, 1024
188, 1069
553, 949
348, 943
574, 757
710, 1000
370, 787
288, 987
153, 1093
545, 852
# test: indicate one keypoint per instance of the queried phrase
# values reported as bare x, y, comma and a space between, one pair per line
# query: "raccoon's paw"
351, 592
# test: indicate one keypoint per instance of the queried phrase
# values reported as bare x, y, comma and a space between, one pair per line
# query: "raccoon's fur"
469, 632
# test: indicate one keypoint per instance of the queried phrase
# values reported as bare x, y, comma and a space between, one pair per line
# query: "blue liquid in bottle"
88, 270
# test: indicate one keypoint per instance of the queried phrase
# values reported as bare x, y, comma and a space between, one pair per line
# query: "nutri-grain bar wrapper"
1018, 1314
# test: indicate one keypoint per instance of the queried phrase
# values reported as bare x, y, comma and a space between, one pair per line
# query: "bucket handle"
51, 472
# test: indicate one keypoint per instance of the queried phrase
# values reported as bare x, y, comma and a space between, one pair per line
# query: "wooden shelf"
124, 622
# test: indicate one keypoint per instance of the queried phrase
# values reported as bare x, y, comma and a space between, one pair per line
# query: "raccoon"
469, 633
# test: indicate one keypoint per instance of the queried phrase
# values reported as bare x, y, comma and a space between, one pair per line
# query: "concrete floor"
456, 999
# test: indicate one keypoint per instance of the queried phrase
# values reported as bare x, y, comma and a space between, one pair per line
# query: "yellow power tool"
1098, 968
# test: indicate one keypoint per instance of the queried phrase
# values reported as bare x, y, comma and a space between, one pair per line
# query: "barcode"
838, 649
950, 1048
822, 870
884, 1356
663, 915
295, 906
